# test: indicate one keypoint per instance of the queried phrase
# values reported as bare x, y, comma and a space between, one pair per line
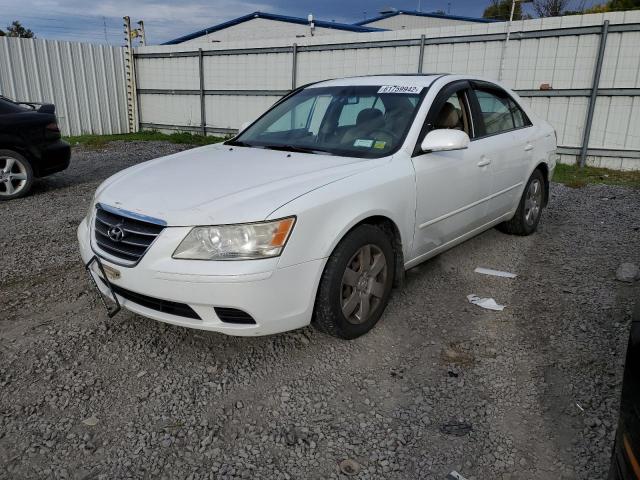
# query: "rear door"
451, 187
506, 132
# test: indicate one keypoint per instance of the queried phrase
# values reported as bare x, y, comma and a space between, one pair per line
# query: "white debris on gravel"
455, 476
495, 273
91, 421
488, 303
295, 405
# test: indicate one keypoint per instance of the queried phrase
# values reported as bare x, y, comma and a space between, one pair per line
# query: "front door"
452, 187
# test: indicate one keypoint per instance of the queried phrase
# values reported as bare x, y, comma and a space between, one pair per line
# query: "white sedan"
313, 212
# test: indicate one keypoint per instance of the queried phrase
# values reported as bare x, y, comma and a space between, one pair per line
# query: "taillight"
52, 131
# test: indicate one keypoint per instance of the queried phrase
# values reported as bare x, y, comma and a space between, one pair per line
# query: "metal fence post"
594, 94
203, 116
421, 59
294, 65
131, 80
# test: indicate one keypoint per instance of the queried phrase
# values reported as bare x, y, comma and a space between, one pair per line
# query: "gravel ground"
439, 384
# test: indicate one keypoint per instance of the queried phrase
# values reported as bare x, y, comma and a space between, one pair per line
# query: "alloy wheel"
533, 202
13, 176
363, 284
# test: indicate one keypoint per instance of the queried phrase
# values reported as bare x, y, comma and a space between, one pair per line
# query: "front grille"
233, 315
164, 306
136, 235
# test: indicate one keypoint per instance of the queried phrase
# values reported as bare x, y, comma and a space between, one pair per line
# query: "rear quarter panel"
24, 132
544, 138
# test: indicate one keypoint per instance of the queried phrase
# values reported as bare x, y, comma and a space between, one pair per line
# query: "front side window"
455, 114
357, 121
500, 112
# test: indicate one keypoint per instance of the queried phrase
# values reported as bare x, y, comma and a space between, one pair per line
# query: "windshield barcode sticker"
400, 89
363, 142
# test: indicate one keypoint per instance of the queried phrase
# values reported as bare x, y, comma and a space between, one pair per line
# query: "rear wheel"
356, 284
527, 216
16, 175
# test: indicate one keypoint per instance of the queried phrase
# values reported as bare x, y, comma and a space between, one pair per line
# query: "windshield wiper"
238, 143
295, 148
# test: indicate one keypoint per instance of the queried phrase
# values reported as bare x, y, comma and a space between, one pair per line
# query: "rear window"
7, 106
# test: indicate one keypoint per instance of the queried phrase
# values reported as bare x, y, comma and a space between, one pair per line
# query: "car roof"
423, 80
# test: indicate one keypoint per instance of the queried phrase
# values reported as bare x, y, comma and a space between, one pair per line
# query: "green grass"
576, 177
99, 141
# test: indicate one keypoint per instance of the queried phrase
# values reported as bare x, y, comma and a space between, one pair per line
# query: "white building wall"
408, 22
260, 29
84, 81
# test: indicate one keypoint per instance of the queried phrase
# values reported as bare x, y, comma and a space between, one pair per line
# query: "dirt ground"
527, 393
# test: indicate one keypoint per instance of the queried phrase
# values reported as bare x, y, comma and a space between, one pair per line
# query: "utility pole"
312, 24
506, 43
141, 34
104, 24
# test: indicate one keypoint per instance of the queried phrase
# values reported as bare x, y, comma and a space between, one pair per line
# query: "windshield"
356, 121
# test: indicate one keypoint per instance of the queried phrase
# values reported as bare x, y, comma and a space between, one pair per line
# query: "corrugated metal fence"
86, 82
216, 89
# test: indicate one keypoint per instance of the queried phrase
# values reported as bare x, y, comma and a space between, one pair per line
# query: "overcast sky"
97, 20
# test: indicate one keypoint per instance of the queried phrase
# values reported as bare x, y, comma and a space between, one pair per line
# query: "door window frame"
477, 112
441, 98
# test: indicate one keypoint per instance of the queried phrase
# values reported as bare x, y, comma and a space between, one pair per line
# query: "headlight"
236, 242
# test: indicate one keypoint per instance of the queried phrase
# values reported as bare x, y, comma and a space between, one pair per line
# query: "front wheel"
527, 216
16, 175
356, 284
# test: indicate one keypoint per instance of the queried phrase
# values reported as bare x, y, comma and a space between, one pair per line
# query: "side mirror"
243, 127
443, 140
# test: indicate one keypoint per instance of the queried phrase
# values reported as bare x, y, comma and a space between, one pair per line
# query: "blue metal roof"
273, 16
423, 14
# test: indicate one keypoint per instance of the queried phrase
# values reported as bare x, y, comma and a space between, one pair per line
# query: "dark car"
30, 146
625, 464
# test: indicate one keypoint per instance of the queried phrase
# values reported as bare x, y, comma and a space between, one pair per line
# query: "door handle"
528, 148
484, 162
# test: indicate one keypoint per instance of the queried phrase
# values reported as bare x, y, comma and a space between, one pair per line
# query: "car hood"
220, 184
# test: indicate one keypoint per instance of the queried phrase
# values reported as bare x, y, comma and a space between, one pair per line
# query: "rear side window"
519, 118
499, 112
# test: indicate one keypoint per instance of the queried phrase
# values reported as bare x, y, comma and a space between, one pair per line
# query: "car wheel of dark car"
16, 175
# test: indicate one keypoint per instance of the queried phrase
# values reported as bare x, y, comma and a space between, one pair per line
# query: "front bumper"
278, 299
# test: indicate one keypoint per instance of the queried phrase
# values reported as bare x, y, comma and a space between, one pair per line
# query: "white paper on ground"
455, 476
488, 303
495, 273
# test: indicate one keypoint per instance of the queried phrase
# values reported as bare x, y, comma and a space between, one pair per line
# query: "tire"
346, 288
527, 216
16, 175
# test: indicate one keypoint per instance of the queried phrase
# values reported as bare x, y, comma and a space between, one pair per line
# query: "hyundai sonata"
313, 212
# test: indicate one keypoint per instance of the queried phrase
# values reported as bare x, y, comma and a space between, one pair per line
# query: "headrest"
448, 117
367, 115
